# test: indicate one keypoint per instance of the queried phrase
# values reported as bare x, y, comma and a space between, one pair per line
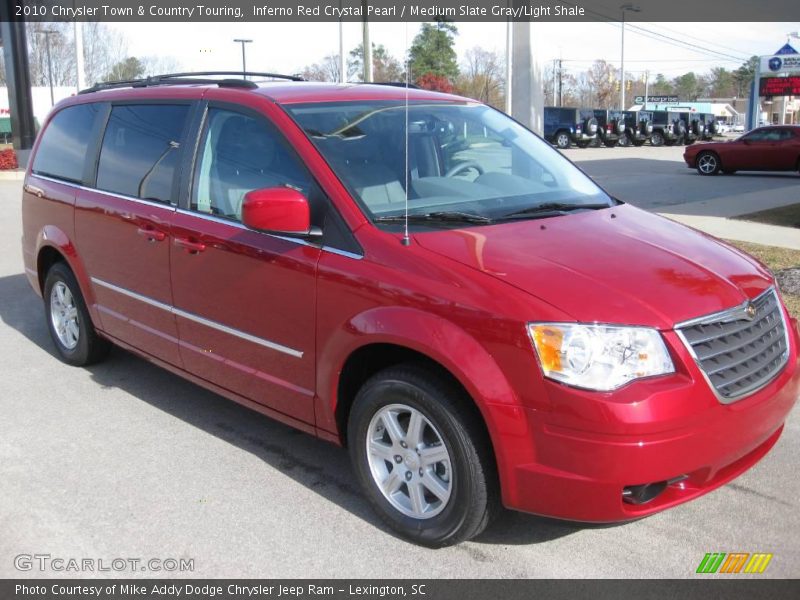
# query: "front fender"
443, 342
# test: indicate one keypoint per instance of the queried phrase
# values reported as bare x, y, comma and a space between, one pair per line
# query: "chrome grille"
739, 353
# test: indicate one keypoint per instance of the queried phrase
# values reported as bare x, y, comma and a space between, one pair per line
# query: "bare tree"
160, 65
325, 70
103, 48
61, 40
482, 77
602, 79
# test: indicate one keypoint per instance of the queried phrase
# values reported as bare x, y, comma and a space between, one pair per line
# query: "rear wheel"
657, 138
422, 456
582, 144
68, 320
708, 163
562, 140
610, 143
638, 143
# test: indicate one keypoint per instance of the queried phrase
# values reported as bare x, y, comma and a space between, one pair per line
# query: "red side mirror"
279, 209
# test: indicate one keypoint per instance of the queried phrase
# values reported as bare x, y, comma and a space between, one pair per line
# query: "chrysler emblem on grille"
750, 311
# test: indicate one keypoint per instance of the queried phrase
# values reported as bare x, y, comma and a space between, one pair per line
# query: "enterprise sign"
656, 99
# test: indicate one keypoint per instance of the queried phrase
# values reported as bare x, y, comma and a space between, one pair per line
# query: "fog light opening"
642, 494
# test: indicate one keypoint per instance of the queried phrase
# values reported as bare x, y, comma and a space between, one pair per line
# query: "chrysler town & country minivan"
418, 278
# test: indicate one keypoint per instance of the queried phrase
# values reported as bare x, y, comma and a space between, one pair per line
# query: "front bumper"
592, 446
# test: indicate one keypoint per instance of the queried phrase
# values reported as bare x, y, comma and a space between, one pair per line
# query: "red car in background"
417, 277
775, 148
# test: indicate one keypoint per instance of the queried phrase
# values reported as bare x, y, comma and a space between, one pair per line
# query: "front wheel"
422, 456
708, 163
68, 320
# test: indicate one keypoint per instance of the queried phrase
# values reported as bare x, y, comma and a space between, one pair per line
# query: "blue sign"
786, 49
775, 63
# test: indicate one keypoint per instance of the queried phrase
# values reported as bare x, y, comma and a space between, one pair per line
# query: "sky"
288, 47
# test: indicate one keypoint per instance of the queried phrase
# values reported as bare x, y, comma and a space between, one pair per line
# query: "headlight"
599, 357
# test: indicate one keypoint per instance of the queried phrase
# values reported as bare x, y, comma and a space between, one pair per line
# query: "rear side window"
141, 149
62, 151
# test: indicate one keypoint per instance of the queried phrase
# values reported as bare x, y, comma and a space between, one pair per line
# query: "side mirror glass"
278, 210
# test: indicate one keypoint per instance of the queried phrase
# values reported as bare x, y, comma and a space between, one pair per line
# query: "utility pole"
47, 33
79, 67
366, 44
509, 53
244, 57
624, 8
342, 63
646, 87
560, 82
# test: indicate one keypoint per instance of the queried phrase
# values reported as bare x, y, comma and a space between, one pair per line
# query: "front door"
245, 300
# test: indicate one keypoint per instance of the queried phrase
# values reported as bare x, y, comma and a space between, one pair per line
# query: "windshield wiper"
440, 216
549, 209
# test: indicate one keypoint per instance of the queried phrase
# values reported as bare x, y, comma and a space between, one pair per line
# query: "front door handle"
152, 234
190, 246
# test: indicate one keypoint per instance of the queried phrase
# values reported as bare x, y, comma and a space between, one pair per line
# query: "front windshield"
462, 158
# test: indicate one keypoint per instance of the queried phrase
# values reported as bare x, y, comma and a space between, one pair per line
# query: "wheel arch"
388, 336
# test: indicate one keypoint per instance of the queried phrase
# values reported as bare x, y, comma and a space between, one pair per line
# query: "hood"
617, 265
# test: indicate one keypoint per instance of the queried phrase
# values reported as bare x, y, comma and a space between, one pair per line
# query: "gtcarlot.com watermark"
60, 564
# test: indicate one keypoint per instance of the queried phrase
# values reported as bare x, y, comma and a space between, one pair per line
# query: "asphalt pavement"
124, 460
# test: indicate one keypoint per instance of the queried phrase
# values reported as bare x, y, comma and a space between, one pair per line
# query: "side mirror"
278, 210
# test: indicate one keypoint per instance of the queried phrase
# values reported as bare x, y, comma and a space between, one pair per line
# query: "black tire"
610, 143
473, 498
562, 139
708, 163
582, 144
89, 347
689, 142
638, 143
657, 138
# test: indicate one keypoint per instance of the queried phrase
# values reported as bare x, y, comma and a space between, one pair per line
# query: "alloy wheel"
707, 164
409, 461
64, 315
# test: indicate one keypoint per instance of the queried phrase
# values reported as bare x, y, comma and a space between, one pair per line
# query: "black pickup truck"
638, 127
668, 128
610, 126
563, 126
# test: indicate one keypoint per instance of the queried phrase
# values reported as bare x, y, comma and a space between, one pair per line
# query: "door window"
141, 149
237, 154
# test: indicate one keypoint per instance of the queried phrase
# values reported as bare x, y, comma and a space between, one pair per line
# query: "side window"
756, 136
237, 154
141, 149
62, 151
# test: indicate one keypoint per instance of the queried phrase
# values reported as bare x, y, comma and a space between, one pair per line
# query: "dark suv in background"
638, 127
695, 127
610, 126
563, 126
712, 127
668, 128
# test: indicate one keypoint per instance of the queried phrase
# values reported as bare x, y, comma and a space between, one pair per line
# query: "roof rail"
402, 84
196, 78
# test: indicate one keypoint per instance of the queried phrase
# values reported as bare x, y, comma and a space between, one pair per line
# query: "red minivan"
418, 277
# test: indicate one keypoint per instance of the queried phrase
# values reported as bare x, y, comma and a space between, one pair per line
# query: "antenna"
406, 240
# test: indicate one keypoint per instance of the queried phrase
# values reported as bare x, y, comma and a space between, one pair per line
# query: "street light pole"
244, 57
624, 8
47, 33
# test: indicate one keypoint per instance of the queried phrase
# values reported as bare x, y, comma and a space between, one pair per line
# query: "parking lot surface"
126, 460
